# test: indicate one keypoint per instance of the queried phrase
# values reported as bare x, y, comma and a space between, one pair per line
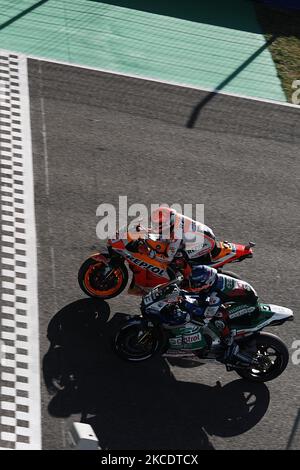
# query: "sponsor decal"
142, 264
176, 341
229, 283
194, 338
243, 311
197, 248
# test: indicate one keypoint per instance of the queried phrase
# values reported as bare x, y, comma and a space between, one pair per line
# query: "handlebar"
178, 278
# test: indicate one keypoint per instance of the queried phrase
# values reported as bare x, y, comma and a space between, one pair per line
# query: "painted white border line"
166, 82
31, 252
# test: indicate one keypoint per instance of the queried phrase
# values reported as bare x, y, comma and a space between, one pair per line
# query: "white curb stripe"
20, 425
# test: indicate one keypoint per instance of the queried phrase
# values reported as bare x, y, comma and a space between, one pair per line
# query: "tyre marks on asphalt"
20, 423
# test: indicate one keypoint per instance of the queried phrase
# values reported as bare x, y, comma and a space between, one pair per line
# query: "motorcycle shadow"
137, 405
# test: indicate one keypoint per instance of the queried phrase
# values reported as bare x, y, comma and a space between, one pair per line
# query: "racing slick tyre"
98, 279
273, 356
133, 343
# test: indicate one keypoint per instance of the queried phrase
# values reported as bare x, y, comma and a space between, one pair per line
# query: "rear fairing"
229, 253
268, 315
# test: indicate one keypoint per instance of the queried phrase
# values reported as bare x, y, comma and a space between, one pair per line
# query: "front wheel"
135, 343
101, 280
272, 356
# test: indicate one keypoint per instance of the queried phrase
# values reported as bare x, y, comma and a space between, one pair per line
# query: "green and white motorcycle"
261, 357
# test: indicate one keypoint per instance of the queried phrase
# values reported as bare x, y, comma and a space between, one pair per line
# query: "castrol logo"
192, 338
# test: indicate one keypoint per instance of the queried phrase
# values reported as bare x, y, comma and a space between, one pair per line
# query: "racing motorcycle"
105, 275
261, 356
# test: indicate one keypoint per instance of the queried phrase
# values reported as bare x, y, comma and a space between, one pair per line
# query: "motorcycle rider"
178, 232
220, 288
178, 236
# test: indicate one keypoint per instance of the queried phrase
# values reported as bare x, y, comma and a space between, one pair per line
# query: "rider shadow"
137, 405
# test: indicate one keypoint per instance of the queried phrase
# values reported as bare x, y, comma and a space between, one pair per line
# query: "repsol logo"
144, 265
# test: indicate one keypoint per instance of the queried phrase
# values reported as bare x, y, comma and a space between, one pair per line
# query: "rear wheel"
272, 356
98, 279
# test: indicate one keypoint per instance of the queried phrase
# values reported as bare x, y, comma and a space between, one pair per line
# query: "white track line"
166, 82
20, 403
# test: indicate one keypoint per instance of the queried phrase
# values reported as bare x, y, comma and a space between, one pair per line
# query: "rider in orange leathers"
179, 232
177, 236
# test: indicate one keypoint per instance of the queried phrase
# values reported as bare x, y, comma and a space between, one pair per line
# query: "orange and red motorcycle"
105, 275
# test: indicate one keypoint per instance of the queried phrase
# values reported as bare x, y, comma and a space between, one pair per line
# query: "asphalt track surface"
97, 136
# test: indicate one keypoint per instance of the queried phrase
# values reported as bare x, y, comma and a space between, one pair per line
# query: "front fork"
110, 259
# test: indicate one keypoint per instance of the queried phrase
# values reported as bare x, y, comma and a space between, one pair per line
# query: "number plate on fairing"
151, 298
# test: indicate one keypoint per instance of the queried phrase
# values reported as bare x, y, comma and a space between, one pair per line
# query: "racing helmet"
163, 221
203, 277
